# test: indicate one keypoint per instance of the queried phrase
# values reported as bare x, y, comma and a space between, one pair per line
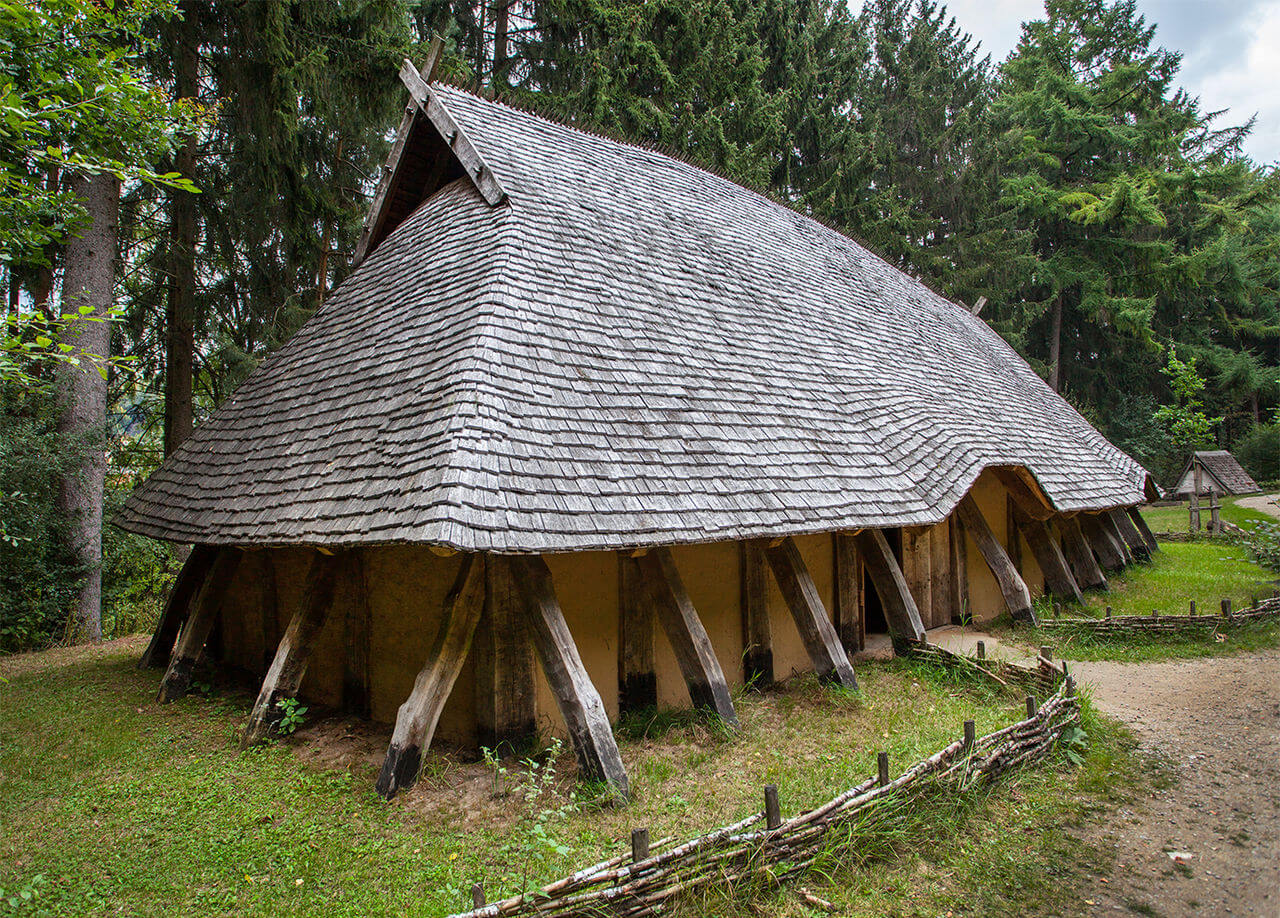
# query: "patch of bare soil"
1209, 843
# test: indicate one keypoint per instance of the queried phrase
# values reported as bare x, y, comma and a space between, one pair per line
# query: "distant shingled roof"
1226, 475
626, 351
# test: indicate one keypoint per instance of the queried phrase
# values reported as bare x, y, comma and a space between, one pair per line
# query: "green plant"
1262, 542
16, 901
543, 810
291, 715
1074, 743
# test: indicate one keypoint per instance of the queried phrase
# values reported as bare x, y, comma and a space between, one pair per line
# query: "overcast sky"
1230, 52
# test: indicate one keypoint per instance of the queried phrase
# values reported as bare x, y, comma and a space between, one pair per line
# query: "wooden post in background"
1084, 566
757, 635
204, 610
900, 612
1196, 478
356, 628
177, 606
826, 652
506, 715
917, 568
849, 599
1017, 597
637, 681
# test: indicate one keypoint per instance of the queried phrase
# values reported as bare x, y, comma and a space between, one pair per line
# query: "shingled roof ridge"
541, 108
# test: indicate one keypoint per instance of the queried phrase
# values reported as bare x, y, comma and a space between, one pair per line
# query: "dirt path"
1266, 503
1217, 723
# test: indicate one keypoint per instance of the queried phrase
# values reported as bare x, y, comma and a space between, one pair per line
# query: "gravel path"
1266, 503
1217, 722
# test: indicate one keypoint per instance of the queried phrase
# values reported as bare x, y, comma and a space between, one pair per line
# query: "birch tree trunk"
88, 280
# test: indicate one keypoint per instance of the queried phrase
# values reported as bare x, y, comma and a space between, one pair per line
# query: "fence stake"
1046, 651
1108, 611
1193, 608
982, 650
882, 766
1057, 610
639, 845
772, 811
477, 896
970, 734
1226, 608
1032, 706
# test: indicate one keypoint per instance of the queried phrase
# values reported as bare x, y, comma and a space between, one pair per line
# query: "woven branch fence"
765, 849
1157, 623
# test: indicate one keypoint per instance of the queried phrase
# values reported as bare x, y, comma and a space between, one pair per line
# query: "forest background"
182, 184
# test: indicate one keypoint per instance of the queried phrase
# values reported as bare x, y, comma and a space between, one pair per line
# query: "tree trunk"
180, 309
88, 281
501, 62
1055, 345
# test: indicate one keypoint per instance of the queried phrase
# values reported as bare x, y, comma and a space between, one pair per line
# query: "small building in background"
1220, 473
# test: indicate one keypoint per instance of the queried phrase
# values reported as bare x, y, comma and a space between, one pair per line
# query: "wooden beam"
849, 599
1108, 523
917, 568
417, 718
428, 71
1058, 578
357, 625
757, 633
1013, 541
637, 680
506, 703
1084, 566
268, 606
577, 698
1029, 498
194, 573
1129, 533
959, 572
900, 611
472, 162
1148, 536
1017, 598
830, 661
694, 653
290, 663
204, 611
941, 606
1102, 542
377, 215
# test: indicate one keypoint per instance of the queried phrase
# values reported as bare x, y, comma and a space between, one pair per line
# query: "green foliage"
136, 575
1259, 452
1189, 428
292, 715
72, 99
1262, 542
1074, 743
38, 573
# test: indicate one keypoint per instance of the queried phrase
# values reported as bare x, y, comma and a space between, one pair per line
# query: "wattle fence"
1164, 623
764, 848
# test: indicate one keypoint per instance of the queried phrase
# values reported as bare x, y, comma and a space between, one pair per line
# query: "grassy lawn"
1205, 571
114, 805
111, 804
1176, 518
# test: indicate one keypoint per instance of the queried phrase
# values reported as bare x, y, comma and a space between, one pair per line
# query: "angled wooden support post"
830, 661
417, 718
1108, 524
1057, 575
576, 696
1129, 534
1102, 542
697, 658
204, 611
849, 600
190, 579
1140, 523
1079, 555
506, 705
1023, 495
1017, 598
637, 680
290, 662
900, 612
959, 551
757, 635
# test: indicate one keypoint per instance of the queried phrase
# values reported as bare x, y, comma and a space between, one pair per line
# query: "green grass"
114, 805
1176, 518
1206, 571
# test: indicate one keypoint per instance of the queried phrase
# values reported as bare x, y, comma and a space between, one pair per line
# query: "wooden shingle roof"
625, 350
1224, 474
